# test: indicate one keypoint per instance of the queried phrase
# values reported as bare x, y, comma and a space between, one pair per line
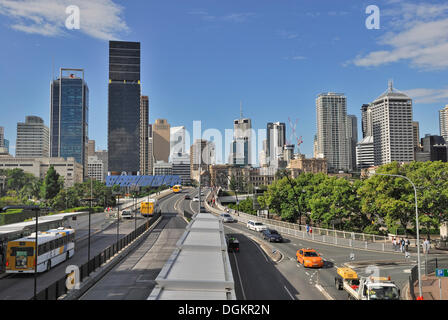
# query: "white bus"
55, 246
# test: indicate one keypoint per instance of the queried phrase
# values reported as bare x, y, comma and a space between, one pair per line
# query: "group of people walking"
403, 244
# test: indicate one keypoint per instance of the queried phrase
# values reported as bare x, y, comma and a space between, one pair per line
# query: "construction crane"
294, 134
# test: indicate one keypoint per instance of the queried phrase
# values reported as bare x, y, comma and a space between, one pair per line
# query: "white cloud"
232, 17
420, 36
99, 19
423, 95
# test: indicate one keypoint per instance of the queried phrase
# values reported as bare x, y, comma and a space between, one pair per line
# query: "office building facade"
443, 122
124, 107
144, 135
33, 138
241, 145
69, 104
161, 140
352, 138
392, 127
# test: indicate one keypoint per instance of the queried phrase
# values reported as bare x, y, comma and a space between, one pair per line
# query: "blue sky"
201, 58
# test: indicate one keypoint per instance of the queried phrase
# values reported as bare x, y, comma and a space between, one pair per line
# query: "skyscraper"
416, 137
241, 145
332, 143
161, 140
443, 122
275, 141
392, 127
2, 137
91, 148
352, 137
69, 106
144, 137
124, 107
33, 138
177, 142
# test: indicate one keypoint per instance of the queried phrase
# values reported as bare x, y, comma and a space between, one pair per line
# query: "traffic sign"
441, 272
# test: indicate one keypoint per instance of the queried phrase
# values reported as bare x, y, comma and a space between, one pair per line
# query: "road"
21, 286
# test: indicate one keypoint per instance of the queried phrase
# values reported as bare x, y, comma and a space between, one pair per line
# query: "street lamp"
117, 195
416, 226
90, 212
36, 209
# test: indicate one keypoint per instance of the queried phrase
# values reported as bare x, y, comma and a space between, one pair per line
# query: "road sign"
441, 272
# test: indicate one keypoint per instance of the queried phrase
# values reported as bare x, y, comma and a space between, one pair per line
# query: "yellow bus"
148, 208
54, 247
177, 188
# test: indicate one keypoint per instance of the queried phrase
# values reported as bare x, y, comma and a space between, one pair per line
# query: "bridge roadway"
103, 234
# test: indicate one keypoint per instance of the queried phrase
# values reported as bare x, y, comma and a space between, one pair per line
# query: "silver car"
225, 217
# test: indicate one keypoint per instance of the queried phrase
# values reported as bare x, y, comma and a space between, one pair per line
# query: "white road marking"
292, 297
307, 272
239, 276
325, 293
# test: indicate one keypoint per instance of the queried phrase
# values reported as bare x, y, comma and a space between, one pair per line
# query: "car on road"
196, 199
233, 245
309, 258
255, 225
126, 214
187, 197
272, 235
225, 217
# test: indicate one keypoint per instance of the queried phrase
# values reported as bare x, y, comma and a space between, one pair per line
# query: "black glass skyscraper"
124, 107
69, 105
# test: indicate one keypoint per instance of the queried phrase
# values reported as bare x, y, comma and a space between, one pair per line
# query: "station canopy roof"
143, 181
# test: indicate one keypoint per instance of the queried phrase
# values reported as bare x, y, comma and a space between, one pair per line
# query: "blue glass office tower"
124, 107
69, 116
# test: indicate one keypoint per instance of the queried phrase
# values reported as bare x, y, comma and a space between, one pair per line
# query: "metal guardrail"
336, 237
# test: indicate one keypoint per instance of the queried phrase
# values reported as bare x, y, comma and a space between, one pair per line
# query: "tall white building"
365, 156
240, 153
392, 127
332, 142
33, 138
95, 168
443, 122
177, 142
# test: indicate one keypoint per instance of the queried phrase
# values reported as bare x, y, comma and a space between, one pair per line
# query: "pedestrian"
394, 243
307, 229
402, 244
311, 230
426, 246
407, 243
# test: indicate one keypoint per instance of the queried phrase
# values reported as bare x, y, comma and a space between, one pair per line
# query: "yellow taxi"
309, 258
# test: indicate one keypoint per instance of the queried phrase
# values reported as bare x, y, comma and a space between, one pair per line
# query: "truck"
365, 288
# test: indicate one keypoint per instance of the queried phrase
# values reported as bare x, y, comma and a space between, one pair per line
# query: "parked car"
196, 199
255, 225
126, 214
187, 197
272, 235
225, 217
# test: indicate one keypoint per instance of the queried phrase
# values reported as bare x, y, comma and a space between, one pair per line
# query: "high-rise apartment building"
144, 135
392, 127
95, 168
443, 122
124, 107
102, 156
416, 137
332, 142
365, 156
352, 137
69, 104
2, 137
161, 140
33, 138
150, 150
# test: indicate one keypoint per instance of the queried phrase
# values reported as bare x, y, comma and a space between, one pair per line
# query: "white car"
126, 214
255, 225
225, 217
195, 199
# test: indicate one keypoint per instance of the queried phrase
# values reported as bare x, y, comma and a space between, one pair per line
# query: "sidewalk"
430, 288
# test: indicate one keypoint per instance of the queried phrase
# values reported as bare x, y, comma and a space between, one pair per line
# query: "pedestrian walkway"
430, 288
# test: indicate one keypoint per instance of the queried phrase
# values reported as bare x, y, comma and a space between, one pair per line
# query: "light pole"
416, 226
36, 209
118, 215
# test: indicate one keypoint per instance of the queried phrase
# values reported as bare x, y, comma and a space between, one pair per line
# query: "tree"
51, 185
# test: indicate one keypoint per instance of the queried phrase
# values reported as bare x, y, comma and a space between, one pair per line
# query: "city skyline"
218, 92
